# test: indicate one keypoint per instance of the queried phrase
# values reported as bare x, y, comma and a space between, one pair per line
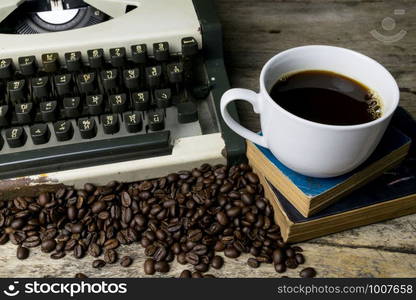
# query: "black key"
110, 123
6, 68
27, 65
141, 101
64, 84
139, 53
163, 98
87, 82
87, 128
156, 120
16, 90
73, 61
48, 110
50, 62
161, 51
96, 58
189, 46
153, 75
109, 78
24, 112
118, 103
95, 104
133, 121
72, 107
16, 137
63, 130
187, 112
132, 78
40, 134
4, 115
118, 57
40, 87
175, 73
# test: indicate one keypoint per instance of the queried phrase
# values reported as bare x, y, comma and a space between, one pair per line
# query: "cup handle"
252, 98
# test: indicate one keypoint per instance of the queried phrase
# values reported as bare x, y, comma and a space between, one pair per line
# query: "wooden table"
255, 31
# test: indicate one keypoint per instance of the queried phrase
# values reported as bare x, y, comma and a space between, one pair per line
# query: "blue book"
310, 195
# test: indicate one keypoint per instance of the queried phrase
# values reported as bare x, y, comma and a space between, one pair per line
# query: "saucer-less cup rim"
255, 98
385, 115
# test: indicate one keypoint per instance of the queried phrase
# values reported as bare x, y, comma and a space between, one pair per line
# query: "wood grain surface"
254, 32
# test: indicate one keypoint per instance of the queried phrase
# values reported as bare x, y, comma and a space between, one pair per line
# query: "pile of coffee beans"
189, 215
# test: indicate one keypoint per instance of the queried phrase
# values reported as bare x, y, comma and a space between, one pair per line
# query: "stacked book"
382, 188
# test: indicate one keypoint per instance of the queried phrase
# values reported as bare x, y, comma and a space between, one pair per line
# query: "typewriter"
101, 90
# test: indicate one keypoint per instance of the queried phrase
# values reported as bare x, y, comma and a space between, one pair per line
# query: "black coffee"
327, 98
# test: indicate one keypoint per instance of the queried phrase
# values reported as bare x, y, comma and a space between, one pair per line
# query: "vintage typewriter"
101, 90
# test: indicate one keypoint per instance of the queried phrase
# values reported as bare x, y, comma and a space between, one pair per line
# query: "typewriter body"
102, 90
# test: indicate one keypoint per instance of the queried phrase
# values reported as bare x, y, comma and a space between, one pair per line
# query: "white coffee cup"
310, 148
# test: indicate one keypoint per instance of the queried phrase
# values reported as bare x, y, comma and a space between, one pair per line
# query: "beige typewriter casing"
153, 21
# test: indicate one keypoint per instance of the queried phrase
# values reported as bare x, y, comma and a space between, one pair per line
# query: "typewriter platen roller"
101, 90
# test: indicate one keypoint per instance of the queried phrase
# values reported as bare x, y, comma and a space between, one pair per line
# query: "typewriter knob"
27, 65
6, 68
189, 46
50, 62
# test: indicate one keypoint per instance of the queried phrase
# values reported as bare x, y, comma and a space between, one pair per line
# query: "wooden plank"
256, 30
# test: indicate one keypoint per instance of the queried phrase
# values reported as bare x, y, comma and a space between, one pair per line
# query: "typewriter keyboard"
98, 105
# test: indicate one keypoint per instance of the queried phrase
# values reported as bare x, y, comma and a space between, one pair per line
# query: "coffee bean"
290, 253
94, 250
126, 261
209, 276
222, 218
77, 228
111, 244
32, 242
160, 254
125, 199
181, 258
195, 235
110, 256
202, 267
192, 258
197, 275
200, 250
278, 256
307, 273
217, 262
300, 258
247, 198
162, 267
58, 255
185, 274
22, 253
98, 263
80, 276
297, 249
231, 252
253, 263
253, 178
291, 263
43, 199
17, 224
280, 268
98, 207
48, 246
149, 266
233, 212
219, 246
78, 251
